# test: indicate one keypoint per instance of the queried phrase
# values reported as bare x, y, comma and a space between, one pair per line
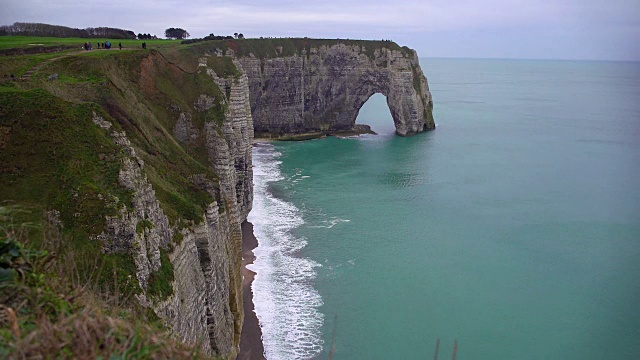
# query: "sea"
512, 231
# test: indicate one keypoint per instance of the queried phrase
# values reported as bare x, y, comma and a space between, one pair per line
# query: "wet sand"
251, 347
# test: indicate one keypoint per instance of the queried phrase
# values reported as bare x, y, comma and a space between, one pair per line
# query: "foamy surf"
328, 224
285, 302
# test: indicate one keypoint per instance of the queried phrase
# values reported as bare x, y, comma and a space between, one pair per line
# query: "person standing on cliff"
120, 45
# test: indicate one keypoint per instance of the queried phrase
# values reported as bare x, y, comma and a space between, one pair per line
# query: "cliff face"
323, 87
205, 301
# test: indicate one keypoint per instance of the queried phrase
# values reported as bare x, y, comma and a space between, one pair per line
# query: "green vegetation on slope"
141, 91
54, 157
160, 281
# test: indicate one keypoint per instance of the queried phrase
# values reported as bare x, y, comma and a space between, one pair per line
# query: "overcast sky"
546, 29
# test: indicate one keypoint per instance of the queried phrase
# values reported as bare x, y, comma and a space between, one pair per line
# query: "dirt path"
27, 75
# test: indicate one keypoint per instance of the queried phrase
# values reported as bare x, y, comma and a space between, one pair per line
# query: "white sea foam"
330, 223
296, 178
286, 303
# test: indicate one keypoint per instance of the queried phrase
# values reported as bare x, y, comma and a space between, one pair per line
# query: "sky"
525, 29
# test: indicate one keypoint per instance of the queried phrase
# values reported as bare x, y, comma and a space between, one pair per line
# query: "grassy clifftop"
277, 47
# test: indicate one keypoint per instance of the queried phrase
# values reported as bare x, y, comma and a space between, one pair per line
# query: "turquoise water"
513, 228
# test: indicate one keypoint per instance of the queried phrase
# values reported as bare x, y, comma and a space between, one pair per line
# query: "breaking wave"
285, 302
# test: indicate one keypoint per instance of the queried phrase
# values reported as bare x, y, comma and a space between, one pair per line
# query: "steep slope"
148, 164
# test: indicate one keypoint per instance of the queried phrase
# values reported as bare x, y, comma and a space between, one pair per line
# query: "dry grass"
90, 335
50, 310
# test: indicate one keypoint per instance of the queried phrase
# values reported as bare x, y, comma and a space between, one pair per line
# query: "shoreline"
251, 347
358, 129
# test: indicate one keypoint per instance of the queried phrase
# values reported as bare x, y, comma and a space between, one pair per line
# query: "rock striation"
205, 302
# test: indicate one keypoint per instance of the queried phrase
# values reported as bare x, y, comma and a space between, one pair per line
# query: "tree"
38, 29
176, 33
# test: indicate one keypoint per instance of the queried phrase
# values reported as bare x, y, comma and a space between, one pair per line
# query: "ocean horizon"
513, 229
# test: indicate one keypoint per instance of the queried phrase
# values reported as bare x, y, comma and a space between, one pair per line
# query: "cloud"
414, 20
356, 15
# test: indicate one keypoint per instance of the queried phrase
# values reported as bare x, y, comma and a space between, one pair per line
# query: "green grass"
117, 277
160, 286
9, 42
261, 48
142, 225
54, 157
19, 64
139, 101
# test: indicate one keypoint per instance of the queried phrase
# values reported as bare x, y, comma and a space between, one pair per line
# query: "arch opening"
375, 112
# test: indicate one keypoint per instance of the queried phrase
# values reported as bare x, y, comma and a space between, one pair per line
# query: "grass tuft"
160, 282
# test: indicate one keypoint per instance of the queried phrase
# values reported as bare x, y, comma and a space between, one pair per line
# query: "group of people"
104, 45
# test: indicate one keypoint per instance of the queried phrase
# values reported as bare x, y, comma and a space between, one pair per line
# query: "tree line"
147, 37
46, 30
214, 37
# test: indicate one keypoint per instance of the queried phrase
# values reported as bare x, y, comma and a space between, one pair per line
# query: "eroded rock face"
128, 232
206, 304
184, 130
230, 155
324, 89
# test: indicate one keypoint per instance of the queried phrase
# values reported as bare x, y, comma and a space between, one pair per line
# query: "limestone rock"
324, 90
206, 305
184, 129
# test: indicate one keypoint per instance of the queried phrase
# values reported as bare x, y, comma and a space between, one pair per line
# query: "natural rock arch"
322, 90
376, 114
